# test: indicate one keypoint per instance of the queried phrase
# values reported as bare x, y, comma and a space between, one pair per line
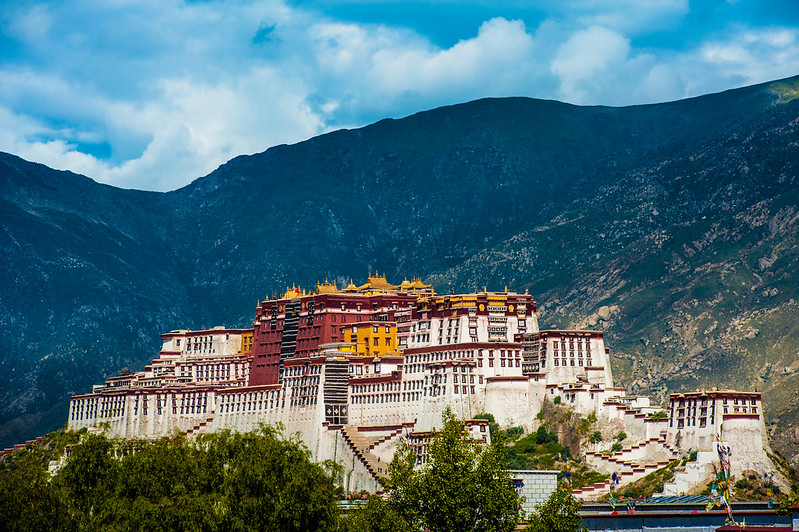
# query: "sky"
152, 94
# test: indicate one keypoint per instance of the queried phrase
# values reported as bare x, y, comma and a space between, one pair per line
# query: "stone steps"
197, 429
361, 446
626, 476
628, 469
385, 438
694, 473
622, 459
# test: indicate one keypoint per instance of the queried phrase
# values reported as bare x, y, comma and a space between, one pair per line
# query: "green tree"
222, 481
377, 515
88, 479
270, 482
560, 513
28, 502
160, 487
465, 486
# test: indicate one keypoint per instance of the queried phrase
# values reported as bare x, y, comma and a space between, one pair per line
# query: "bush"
616, 447
565, 454
543, 436
621, 436
515, 460
513, 433
218, 481
557, 400
596, 437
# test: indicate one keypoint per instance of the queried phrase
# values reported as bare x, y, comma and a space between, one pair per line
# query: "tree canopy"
465, 486
221, 481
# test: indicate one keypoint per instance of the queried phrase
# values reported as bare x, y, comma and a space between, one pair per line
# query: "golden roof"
326, 288
417, 284
377, 282
293, 292
351, 287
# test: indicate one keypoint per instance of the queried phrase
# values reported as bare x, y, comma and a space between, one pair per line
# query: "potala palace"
358, 370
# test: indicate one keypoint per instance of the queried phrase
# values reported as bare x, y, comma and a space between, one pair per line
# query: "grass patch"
786, 91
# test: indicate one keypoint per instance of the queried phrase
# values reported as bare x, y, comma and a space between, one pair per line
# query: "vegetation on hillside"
556, 444
221, 481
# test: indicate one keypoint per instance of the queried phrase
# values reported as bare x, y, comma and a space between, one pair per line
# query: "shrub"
621, 436
616, 447
557, 400
513, 433
543, 436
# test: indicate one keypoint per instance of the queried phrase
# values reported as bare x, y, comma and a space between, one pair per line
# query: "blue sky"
153, 94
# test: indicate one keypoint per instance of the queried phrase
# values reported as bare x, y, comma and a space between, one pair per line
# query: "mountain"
673, 227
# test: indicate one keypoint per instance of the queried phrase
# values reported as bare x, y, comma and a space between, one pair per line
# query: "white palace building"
358, 370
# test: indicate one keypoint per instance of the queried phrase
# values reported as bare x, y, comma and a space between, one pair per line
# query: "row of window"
563, 362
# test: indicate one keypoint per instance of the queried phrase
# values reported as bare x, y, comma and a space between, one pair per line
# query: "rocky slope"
673, 227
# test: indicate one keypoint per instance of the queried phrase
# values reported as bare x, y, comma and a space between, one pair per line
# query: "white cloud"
174, 89
590, 55
743, 56
495, 53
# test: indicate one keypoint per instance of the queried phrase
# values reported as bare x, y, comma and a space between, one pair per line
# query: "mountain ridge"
528, 193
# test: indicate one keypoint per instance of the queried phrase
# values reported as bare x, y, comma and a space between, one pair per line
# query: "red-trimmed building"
298, 324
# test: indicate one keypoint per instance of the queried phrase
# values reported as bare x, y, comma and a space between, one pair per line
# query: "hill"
672, 227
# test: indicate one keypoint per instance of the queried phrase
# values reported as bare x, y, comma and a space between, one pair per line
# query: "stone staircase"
629, 474
695, 474
385, 438
362, 447
198, 428
630, 464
